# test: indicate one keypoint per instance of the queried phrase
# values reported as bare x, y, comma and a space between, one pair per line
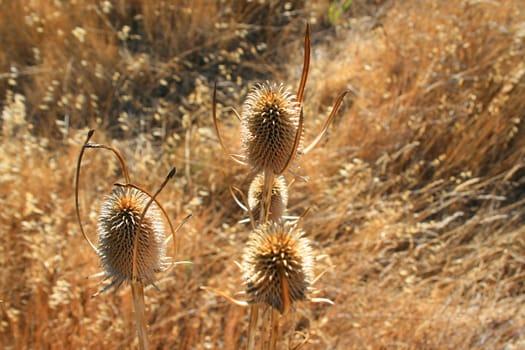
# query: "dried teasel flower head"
279, 198
131, 235
272, 123
271, 127
119, 223
130, 228
277, 265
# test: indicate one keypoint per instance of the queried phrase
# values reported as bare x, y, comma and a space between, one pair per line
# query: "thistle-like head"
271, 119
277, 265
119, 223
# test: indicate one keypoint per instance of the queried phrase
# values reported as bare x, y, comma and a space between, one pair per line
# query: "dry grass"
415, 196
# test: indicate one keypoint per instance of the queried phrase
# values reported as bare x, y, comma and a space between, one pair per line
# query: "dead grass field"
416, 193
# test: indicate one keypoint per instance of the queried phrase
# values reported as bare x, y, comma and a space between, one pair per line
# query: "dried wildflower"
270, 127
130, 227
272, 123
278, 201
118, 225
131, 236
277, 265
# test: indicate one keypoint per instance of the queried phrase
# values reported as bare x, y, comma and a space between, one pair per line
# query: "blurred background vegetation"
416, 194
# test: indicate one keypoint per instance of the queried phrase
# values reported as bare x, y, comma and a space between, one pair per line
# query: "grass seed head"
277, 265
270, 119
118, 226
279, 200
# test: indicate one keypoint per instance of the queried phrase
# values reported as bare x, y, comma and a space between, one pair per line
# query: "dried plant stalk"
137, 291
274, 329
278, 200
131, 237
277, 262
266, 197
252, 326
327, 123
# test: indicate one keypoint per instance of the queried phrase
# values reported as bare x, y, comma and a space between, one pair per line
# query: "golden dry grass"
416, 194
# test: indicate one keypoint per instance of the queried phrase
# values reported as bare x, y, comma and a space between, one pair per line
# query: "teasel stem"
252, 326
137, 290
146, 207
137, 287
274, 329
266, 201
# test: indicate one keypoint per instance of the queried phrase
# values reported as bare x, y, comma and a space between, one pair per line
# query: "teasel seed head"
270, 122
277, 265
279, 199
118, 226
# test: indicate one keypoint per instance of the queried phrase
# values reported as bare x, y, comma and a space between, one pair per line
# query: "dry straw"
131, 235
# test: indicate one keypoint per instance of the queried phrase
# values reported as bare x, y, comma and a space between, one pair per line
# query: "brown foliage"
416, 195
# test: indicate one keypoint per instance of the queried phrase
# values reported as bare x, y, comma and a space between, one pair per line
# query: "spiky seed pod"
277, 265
118, 225
279, 199
270, 118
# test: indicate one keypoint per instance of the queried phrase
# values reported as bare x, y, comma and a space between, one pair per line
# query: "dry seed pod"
127, 252
131, 235
118, 225
271, 123
279, 199
277, 266
266, 148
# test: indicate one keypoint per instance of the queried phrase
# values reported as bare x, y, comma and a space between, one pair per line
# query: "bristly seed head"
270, 118
118, 225
277, 265
279, 199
